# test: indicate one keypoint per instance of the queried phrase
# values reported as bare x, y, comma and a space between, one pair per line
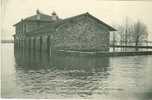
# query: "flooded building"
43, 32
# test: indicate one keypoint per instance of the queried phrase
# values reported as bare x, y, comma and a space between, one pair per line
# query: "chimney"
37, 11
37, 14
54, 16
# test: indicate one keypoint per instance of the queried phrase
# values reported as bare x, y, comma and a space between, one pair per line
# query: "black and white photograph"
76, 49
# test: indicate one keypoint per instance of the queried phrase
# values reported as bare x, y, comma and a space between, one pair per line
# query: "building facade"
42, 32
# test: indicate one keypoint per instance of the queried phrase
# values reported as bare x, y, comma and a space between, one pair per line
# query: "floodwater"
35, 75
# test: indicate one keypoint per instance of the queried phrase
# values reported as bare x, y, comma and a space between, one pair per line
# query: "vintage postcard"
76, 49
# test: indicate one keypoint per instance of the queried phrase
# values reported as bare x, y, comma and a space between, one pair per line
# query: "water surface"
35, 75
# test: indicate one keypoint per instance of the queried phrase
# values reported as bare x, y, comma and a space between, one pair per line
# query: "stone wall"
81, 34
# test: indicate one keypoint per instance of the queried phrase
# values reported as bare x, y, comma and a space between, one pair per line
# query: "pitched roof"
42, 17
55, 24
101, 22
38, 17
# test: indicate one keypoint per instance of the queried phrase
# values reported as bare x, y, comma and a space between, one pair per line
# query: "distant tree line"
130, 33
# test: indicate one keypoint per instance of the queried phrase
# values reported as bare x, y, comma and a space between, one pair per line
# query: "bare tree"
130, 32
139, 32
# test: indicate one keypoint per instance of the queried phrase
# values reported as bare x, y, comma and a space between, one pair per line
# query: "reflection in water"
43, 76
35, 75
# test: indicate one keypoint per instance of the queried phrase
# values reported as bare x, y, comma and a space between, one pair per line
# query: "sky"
111, 12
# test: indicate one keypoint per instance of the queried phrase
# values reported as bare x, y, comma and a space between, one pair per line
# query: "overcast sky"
111, 12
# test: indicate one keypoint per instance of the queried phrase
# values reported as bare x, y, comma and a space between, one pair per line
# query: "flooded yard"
35, 75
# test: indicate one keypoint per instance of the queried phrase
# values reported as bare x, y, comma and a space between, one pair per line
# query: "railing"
131, 43
123, 46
